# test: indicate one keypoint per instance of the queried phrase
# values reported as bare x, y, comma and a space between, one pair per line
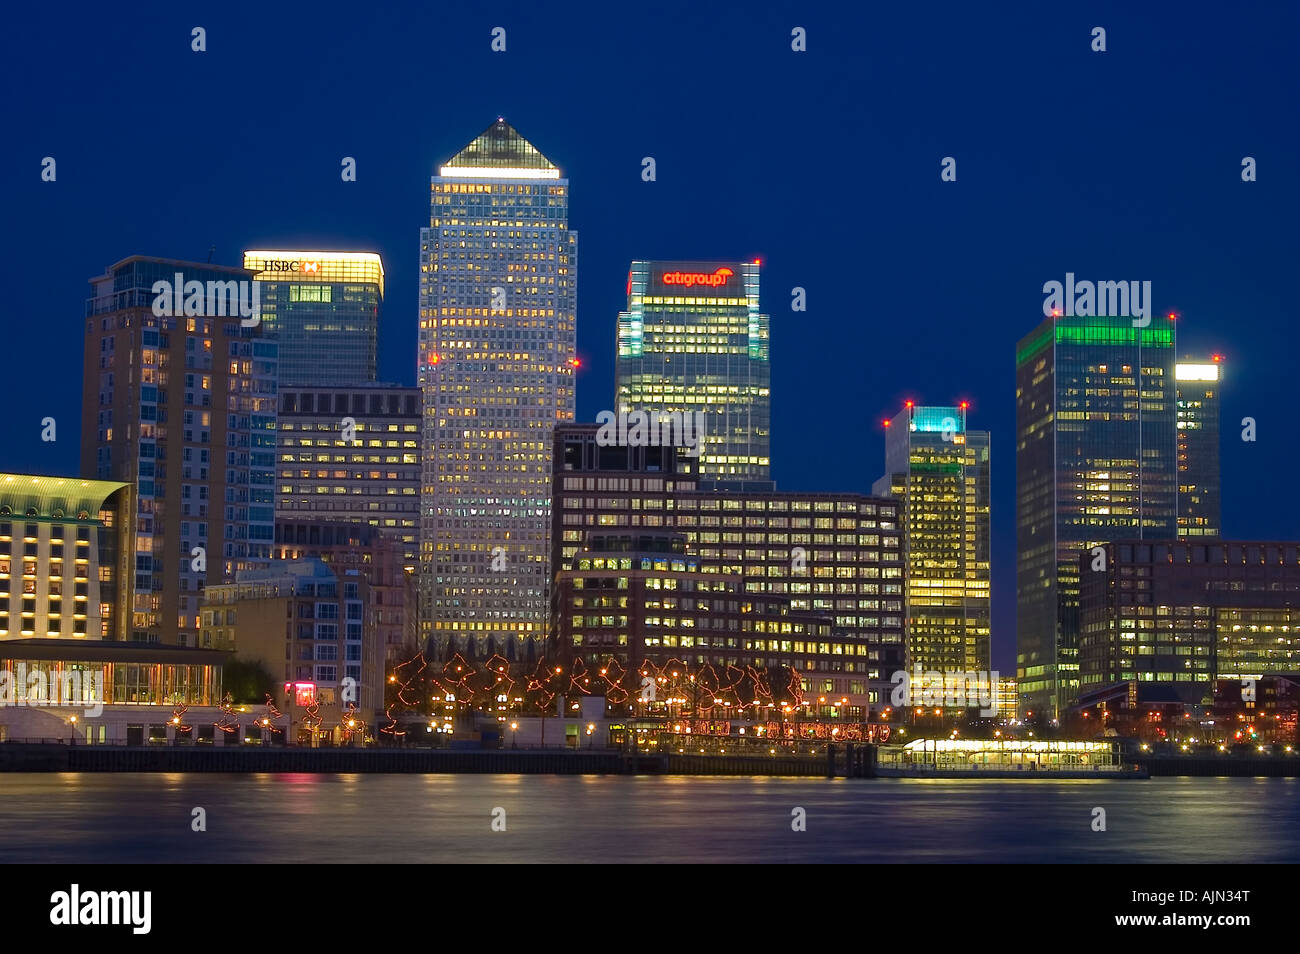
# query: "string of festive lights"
351, 724
270, 715
228, 721
401, 698
705, 688
178, 714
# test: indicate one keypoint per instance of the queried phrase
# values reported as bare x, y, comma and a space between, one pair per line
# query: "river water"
95, 817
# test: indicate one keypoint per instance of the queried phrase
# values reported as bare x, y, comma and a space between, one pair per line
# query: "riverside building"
834, 555
182, 407
1096, 460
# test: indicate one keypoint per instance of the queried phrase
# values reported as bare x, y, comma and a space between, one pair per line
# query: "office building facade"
1184, 612
308, 626
836, 555
1095, 461
66, 558
379, 556
178, 400
694, 339
324, 309
939, 470
642, 597
351, 454
1199, 481
497, 357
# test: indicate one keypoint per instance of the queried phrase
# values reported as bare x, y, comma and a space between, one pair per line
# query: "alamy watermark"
953, 690
240, 298
50, 687
651, 429
1101, 299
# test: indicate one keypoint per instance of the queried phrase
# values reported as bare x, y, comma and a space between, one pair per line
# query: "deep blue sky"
1122, 165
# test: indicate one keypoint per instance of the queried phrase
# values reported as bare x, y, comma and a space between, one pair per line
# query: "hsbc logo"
280, 265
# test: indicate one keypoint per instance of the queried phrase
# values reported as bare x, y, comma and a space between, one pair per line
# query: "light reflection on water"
297, 817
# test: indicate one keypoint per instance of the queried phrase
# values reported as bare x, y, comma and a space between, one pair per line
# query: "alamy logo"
193, 299
42, 687
133, 908
1102, 299
960, 690
651, 429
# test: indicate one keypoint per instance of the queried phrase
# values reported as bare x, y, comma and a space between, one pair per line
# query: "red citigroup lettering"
698, 278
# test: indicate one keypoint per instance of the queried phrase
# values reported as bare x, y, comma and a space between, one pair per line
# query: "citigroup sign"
702, 279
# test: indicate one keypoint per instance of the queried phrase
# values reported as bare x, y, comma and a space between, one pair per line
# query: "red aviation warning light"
1216, 358
886, 422
575, 362
435, 358
1172, 316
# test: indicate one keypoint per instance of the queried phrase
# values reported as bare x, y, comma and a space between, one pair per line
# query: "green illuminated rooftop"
1104, 331
32, 495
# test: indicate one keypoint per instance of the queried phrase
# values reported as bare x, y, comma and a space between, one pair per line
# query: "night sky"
1123, 165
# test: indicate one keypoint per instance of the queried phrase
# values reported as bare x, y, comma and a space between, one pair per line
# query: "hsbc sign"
281, 265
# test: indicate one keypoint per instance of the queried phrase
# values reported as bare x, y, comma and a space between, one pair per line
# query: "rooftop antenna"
212, 250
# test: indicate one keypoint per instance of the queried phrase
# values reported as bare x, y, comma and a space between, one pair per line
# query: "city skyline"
1225, 274
258, 258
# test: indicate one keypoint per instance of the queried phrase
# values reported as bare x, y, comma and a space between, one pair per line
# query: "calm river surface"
94, 817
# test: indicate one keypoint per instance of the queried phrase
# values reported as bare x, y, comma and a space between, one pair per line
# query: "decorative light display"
270, 715
228, 721
351, 724
402, 692
702, 689
312, 720
178, 716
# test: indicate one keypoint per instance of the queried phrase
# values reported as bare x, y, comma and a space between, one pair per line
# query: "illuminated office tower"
181, 406
693, 339
1199, 483
498, 293
351, 454
324, 309
940, 471
1095, 461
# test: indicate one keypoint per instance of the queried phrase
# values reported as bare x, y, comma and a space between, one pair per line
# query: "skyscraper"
351, 454
940, 471
693, 339
178, 399
323, 308
1199, 483
498, 293
1095, 461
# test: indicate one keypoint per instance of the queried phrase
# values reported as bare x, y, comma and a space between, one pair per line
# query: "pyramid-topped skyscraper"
498, 335
501, 147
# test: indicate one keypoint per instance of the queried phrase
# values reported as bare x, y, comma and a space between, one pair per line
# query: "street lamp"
72, 721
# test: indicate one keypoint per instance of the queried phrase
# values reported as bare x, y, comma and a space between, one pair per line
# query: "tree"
247, 681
